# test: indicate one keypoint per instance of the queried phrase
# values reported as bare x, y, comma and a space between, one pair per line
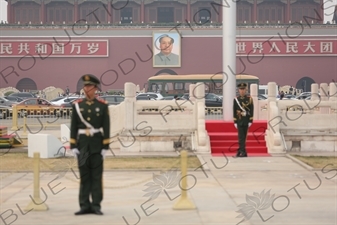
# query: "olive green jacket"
95, 112
247, 104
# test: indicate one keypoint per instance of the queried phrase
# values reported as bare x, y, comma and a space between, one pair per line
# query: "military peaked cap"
242, 85
90, 79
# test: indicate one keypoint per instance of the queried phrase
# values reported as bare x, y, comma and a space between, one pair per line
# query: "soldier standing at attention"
243, 112
89, 141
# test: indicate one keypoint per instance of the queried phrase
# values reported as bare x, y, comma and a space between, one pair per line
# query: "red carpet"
224, 138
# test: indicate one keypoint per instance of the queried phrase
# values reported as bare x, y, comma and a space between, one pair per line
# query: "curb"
204, 165
305, 166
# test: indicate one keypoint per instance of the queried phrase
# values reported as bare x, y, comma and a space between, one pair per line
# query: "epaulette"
77, 100
102, 101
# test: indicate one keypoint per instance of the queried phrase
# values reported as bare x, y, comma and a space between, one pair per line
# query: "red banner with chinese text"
52, 48
289, 47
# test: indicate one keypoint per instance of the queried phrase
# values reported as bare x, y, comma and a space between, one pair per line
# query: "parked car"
309, 97
23, 95
113, 99
172, 98
14, 99
261, 97
6, 102
156, 96
303, 95
289, 96
5, 111
211, 100
37, 106
56, 99
168, 98
64, 100
68, 104
144, 97
186, 96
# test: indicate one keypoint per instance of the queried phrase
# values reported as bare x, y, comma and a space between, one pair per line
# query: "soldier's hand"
249, 124
103, 152
235, 125
76, 152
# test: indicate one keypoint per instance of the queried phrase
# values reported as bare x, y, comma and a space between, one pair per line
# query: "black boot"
243, 155
83, 211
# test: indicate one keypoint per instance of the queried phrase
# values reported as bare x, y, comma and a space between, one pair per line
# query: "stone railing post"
314, 92
130, 94
271, 96
272, 91
254, 95
323, 91
200, 108
274, 139
192, 100
333, 91
192, 92
333, 96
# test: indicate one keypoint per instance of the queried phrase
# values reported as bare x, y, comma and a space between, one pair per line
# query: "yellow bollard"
14, 118
36, 204
25, 125
184, 202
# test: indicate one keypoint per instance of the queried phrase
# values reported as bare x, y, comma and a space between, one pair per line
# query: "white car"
150, 95
64, 100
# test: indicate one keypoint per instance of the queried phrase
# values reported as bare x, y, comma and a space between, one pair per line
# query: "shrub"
8, 93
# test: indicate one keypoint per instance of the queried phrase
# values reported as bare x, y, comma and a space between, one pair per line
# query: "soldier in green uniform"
89, 141
243, 112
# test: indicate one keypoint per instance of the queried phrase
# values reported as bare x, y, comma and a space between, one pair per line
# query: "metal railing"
213, 113
42, 117
36, 117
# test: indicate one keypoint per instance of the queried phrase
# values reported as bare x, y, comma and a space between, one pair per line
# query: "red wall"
199, 55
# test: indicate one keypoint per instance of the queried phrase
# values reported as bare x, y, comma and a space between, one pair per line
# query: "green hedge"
8, 93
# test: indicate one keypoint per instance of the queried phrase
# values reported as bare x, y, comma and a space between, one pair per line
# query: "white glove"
249, 124
235, 125
103, 152
76, 152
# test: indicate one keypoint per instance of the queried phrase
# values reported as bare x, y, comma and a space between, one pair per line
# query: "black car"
14, 99
211, 100
22, 95
261, 97
113, 99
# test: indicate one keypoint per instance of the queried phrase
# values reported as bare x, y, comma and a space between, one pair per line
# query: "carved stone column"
254, 11
9, 12
288, 12
43, 12
188, 16
109, 14
75, 11
142, 11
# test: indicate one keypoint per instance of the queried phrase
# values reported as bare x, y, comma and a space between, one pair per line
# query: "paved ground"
269, 190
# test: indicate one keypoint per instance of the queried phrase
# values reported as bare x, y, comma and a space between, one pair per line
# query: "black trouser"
91, 170
242, 135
